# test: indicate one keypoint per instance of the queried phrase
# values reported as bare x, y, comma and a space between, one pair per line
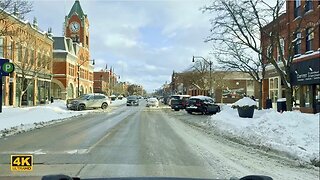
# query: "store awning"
306, 72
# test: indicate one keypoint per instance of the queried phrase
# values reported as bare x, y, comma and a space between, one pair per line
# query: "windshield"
132, 98
84, 97
204, 89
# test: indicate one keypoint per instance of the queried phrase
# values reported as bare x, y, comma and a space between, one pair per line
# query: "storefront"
305, 78
273, 87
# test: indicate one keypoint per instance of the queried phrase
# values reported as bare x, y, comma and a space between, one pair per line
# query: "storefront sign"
306, 72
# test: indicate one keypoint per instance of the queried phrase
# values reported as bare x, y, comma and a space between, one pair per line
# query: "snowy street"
141, 141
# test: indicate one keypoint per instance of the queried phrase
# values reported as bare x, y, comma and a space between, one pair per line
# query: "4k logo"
21, 162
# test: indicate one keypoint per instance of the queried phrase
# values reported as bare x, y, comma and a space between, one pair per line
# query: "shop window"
309, 39
297, 4
308, 6
274, 89
297, 46
296, 95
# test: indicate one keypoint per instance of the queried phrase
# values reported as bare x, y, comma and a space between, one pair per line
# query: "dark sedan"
202, 104
132, 101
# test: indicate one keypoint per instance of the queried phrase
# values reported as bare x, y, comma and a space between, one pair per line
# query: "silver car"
89, 101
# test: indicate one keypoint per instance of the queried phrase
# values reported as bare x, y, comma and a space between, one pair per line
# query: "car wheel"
104, 106
205, 111
81, 107
176, 109
189, 112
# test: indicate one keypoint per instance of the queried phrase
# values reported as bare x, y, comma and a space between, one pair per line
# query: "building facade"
300, 24
73, 68
106, 82
30, 49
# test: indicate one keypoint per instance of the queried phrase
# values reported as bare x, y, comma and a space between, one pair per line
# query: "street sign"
6, 67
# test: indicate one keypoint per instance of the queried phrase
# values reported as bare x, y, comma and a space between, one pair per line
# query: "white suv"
87, 101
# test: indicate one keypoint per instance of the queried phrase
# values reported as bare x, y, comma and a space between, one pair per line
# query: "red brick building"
300, 24
105, 81
73, 68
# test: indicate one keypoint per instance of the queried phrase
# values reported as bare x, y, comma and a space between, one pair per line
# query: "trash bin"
268, 103
281, 105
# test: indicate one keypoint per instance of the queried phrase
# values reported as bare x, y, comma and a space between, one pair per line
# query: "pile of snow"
13, 120
118, 102
293, 132
245, 101
22, 119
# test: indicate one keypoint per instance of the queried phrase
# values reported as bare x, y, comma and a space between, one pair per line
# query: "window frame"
297, 5
297, 44
309, 39
308, 6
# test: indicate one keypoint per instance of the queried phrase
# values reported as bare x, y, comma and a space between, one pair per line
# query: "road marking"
95, 144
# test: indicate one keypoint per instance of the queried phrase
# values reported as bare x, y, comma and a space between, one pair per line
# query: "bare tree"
9, 9
237, 31
235, 36
33, 60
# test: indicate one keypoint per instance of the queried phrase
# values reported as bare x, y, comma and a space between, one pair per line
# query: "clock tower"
77, 25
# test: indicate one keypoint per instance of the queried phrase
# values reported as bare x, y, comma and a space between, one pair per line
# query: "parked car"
179, 103
177, 97
120, 97
132, 101
88, 101
202, 104
113, 97
152, 102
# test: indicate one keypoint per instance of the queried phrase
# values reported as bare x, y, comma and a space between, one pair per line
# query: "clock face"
74, 26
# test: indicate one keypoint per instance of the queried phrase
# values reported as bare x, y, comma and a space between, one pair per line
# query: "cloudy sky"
144, 40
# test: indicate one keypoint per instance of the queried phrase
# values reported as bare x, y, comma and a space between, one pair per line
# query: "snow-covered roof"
245, 101
200, 97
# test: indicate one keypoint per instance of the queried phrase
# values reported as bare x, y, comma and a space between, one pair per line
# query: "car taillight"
198, 104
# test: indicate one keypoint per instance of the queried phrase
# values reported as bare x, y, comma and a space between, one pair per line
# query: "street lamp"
210, 72
79, 65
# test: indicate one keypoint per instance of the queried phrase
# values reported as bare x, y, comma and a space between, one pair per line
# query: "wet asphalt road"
139, 141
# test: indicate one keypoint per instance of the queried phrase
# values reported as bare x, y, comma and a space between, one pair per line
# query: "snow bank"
245, 101
29, 117
118, 102
294, 132
13, 120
